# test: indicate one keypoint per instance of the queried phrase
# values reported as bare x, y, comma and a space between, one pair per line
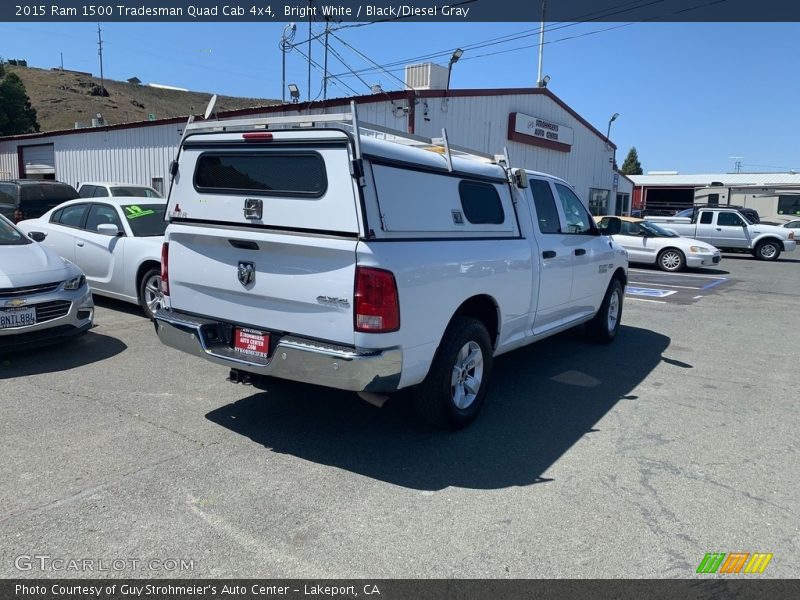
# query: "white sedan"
649, 243
115, 241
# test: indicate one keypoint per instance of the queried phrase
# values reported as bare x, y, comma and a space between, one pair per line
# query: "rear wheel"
150, 296
454, 390
767, 250
672, 260
604, 325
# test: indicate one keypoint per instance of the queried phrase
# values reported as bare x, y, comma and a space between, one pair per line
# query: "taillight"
377, 307
165, 268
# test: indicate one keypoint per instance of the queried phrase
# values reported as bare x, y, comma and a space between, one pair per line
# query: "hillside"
62, 97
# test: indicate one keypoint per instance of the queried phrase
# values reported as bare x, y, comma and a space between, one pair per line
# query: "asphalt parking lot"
629, 460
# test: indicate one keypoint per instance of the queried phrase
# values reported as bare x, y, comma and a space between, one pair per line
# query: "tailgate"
270, 281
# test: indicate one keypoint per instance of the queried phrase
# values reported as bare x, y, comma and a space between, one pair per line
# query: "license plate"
252, 342
17, 317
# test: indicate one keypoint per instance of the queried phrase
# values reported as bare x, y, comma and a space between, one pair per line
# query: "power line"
521, 35
367, 58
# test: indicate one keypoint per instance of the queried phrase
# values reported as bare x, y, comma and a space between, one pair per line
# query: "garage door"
39, 161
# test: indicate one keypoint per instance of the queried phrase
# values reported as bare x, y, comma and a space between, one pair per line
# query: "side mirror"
108, 229
521, 178
37, 236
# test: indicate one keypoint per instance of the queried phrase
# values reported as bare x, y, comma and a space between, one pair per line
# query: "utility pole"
62, 60
541, 44
100, 54
309, 49
325, 77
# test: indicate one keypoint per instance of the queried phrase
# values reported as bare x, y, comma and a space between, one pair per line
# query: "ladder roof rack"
347, 121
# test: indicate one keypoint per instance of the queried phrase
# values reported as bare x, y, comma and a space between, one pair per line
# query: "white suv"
103, 189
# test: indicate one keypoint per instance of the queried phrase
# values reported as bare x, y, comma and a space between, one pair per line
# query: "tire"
454, 390
150, 296
604, 325
767, 250
671, 260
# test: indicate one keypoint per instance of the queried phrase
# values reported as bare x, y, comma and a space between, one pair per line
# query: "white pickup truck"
729, 230
360, 259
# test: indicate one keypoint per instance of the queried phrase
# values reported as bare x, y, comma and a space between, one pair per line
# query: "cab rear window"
299, 174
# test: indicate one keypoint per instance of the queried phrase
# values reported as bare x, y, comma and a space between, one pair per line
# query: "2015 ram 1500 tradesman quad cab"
327, 255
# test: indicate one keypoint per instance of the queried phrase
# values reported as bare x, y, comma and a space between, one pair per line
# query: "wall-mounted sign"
539, 132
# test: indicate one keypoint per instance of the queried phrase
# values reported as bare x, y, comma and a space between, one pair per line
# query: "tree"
17, 115
632, 166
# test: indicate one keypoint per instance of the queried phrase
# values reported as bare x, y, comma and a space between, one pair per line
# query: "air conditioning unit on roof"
426, 76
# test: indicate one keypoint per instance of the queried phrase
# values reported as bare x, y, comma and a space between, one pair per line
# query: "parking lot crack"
117, 407
90, 491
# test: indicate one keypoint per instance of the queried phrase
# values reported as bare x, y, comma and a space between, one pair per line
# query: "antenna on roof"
210, 108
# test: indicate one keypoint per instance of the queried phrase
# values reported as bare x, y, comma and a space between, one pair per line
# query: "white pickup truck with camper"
320, 250
730, 231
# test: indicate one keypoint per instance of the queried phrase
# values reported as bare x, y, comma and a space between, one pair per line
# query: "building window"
598, 201
623, 206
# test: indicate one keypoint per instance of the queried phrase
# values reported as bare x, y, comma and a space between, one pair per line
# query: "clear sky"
690, 95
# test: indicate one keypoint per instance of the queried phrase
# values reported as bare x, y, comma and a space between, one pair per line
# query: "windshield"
654, 230
10, 235
146, 219
138, 192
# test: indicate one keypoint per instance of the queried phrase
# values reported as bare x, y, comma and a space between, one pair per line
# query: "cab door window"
545, 203
729, 220
578, 219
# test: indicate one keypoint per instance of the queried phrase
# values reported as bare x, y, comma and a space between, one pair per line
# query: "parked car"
649, 243
35, 196
102, 189
793, 225
116, 241
329, 256
730, 231
42, 296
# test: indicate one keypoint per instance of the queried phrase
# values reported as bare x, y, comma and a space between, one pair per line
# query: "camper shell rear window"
274, 173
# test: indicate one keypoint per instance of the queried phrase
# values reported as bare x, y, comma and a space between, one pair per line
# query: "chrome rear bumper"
294, 358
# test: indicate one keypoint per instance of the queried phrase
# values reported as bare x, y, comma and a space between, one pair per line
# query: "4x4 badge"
247, 273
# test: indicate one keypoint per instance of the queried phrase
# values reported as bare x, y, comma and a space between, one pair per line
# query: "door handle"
580, 251
719, 228
549, 254
79, 244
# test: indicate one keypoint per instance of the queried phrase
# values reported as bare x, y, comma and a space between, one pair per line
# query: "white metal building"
540, 131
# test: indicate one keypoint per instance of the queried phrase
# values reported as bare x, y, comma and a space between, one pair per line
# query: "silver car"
42, 296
